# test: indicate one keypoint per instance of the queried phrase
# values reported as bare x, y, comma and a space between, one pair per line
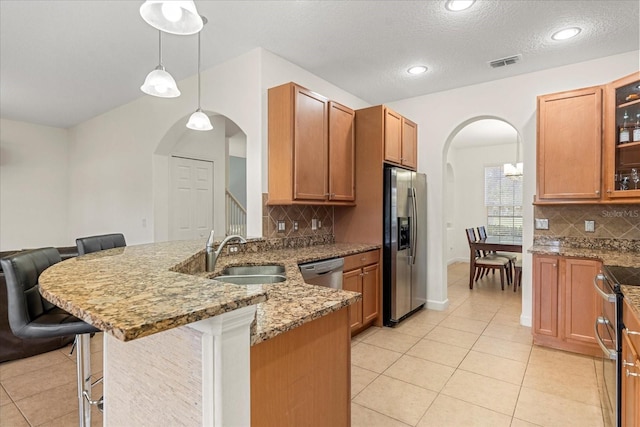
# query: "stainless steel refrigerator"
405, 249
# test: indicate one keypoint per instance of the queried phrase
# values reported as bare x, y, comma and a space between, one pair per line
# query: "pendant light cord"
160, 47
199, 70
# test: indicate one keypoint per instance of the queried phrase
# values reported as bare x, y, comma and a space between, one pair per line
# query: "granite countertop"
292, 302
607, 256
135, 291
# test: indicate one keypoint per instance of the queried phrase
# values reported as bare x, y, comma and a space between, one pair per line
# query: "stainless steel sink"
250, 270
251, 279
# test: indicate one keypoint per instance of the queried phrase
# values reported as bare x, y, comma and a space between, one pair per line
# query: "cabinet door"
569, 145
342, 151
622, 110
545, 295
392, 136
409, 144
582, 305
352, 281
310, 146
370, 294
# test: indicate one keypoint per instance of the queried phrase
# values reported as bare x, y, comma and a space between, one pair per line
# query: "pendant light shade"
199, 120
175, 17
159, 82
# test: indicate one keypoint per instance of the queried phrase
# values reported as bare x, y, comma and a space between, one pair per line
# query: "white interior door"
191, 204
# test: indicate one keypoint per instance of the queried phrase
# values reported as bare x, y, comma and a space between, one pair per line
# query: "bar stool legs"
83, 359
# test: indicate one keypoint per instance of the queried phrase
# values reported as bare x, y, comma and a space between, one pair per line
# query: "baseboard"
437, 305
525, 320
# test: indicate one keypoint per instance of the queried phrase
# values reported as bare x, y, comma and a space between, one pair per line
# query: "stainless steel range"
608, 329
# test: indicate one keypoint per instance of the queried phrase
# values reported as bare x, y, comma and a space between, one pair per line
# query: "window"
503, 200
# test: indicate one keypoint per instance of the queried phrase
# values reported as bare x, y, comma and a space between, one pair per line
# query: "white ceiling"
63, 62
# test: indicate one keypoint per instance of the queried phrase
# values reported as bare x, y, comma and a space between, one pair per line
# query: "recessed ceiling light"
458, 5
418, 69
566, 33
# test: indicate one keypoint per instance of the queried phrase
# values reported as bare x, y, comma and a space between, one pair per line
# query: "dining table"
492, 244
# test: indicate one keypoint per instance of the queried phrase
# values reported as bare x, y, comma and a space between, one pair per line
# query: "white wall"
119, 164
33, 186
468, 191
441, 115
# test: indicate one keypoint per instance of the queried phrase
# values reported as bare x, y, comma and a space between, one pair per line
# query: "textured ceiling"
62, 62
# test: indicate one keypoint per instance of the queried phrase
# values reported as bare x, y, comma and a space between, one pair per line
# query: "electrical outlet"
314, 224
281, 226
319, 224
295, 225
590, 226
542, 224
232, 249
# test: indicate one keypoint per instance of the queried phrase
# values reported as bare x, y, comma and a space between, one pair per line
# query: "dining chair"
482, 233
517, 275
484, 263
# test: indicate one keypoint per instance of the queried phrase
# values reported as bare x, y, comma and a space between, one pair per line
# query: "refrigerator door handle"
414, 227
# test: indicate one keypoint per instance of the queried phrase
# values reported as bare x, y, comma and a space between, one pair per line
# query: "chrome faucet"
212, 256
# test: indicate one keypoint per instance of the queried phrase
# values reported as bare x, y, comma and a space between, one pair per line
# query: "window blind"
503, 201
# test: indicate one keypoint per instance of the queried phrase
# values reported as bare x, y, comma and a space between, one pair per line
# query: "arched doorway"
184, 159
473, 150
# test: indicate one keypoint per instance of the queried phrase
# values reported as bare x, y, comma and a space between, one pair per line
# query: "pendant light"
515, 169
175, 17
159, 82
199, 120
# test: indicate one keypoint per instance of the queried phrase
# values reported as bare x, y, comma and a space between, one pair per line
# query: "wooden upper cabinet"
342, 153
392, 136
400, 140
622, 153
310, 145
569, 145
311, 148
409, 144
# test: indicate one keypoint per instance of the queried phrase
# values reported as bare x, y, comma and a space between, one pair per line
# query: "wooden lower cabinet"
565, 303
303, 377
362, 274
630, 382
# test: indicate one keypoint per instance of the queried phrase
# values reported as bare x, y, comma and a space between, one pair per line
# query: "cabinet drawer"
358, 260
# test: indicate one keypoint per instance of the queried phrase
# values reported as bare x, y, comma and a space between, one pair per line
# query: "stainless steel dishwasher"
326, 273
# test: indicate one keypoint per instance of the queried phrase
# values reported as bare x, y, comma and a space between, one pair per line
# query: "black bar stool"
91, 244
32, 316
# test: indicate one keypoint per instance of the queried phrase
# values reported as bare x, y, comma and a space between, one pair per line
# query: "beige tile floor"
471, 365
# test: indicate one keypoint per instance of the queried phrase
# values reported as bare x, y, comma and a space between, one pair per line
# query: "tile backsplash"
303, 214
611, 221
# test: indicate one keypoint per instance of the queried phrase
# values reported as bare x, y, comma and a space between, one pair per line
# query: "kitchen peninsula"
174, 338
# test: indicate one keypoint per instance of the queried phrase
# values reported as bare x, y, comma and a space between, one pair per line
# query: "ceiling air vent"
509, 60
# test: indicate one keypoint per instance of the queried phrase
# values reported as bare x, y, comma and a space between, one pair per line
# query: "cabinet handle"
632, 374
609, 190
598, 192
631, 332
361, 274
555, 265
625, 363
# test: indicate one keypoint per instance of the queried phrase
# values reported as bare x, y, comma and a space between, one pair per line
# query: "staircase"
236, 216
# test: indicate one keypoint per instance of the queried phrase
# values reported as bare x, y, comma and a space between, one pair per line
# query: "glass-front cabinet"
622, 138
